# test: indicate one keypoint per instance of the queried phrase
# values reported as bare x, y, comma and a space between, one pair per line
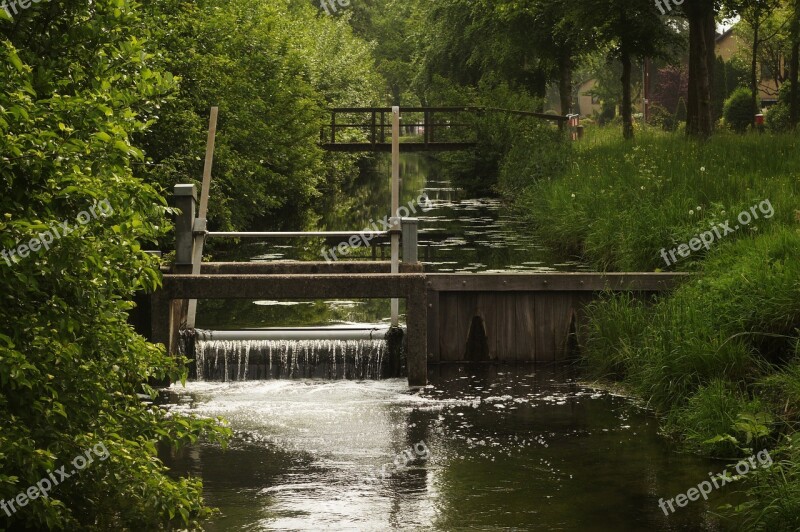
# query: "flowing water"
239, 360
320, 445
487, 448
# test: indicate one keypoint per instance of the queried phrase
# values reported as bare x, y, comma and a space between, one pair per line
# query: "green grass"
618, 204
719, 358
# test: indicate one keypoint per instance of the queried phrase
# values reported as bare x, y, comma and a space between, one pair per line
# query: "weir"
450, 318
346, 352
239, 360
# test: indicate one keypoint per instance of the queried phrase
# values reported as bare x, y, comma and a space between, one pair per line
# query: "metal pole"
373, 333
395, 206
200, 223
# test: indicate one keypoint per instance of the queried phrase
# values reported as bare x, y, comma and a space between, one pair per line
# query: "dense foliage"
77, 85
273, 79
739, 110
718, 359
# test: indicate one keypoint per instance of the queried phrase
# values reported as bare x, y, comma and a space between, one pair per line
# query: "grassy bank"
719, 359
619, 204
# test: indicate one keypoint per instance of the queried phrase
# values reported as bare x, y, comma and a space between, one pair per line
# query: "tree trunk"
627, 105
702, 42
565, 85
794, 68
754, 69
538, 86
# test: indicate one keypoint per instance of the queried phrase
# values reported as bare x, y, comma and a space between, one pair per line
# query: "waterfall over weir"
263, 359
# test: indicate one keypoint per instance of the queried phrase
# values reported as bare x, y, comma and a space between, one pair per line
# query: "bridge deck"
519, 318
407, 147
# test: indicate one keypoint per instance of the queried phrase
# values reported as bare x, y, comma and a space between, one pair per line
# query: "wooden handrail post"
395, 303
333, 127
199, 225
186, 201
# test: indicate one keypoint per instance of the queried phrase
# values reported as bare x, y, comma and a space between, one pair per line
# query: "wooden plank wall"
519, 318
518, 326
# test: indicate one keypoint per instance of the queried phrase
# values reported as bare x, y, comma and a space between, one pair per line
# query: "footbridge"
359, 129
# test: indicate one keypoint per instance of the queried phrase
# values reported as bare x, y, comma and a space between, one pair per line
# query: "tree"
794, 68
635, 30
77, 84
701, 15
273, 80
755, 13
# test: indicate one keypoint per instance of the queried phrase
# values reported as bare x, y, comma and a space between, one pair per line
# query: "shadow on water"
506, 448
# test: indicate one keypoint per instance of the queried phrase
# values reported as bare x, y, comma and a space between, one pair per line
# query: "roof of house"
725, 34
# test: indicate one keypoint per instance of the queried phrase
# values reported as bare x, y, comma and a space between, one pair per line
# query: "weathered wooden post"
410, 232
416, 333
186, 201
199, 225
168, 316
373, 127
395, 304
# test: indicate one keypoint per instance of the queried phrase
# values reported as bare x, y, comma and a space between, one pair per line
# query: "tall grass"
618, 204
719, 358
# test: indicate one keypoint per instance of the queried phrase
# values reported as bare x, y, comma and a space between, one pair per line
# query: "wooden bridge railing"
455, 132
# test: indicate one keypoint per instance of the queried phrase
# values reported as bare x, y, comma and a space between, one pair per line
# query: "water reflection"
457, 234
509, 449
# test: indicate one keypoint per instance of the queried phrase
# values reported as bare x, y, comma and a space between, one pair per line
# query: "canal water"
481, 448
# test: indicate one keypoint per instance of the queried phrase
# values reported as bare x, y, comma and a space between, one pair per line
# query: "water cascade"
239, 356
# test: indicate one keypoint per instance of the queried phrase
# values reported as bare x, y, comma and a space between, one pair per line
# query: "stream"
485, 447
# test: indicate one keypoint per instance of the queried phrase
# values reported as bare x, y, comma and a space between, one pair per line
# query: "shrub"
72, 370
778, 118
538, 151
738, 111
661, 117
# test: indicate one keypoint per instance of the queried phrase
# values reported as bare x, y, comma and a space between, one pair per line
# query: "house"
729, 44
588, 105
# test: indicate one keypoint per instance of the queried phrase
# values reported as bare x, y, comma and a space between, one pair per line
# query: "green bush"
73, 373
538, 151
779, 115
738, 111
662, 118
778, 118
